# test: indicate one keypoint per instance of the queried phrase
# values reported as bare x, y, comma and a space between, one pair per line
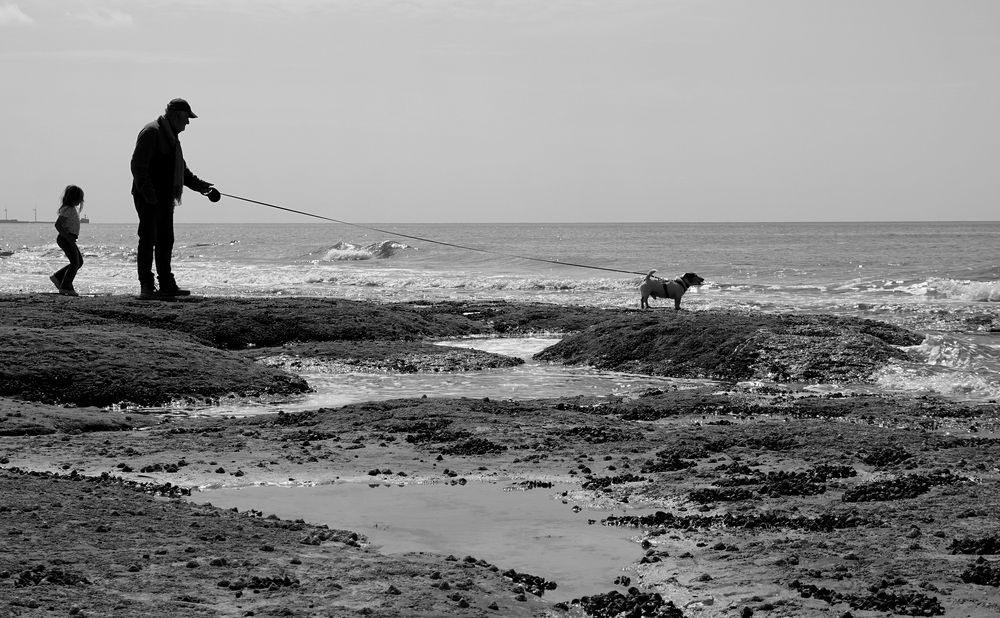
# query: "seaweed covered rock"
737, 346
633, 603
105, 366
240, 323
982, 572
901, 488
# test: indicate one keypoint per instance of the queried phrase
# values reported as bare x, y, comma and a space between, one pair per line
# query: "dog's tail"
650, 274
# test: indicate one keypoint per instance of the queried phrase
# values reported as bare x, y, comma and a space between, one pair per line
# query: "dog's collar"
684, 284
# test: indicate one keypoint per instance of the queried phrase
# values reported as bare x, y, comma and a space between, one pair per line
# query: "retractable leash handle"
431, 240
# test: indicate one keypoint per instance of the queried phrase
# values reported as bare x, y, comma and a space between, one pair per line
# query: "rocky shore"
766, 500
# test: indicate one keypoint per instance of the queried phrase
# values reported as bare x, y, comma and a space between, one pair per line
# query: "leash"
431, 240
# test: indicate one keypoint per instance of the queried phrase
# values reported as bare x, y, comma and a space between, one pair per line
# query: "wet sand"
761, 499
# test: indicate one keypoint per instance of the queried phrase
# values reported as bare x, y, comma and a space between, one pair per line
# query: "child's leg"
73, 268
57, 277
72, 252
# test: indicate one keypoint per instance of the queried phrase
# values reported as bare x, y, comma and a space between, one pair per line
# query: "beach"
755, 488
521, 309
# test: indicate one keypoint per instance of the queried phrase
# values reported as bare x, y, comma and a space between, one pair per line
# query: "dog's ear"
690, 276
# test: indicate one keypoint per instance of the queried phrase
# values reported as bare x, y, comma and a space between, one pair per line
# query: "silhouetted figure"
159, 175
68, 226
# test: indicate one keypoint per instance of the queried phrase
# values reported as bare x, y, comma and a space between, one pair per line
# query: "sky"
512, 110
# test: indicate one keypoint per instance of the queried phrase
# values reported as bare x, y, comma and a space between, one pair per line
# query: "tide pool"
530, 531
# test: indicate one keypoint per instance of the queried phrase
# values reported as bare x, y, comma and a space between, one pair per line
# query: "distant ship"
82, 220
6, 220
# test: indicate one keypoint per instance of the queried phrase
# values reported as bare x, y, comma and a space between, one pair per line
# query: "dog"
660, 288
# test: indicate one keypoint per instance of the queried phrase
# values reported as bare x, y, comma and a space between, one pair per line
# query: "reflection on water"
528, 531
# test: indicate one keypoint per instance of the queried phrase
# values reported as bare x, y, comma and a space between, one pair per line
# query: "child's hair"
73, 196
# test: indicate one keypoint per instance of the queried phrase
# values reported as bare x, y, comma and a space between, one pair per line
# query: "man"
159, 175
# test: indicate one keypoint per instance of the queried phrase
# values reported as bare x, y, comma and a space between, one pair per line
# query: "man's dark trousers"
156, 240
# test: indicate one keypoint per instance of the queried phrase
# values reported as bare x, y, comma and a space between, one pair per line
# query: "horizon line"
603, 222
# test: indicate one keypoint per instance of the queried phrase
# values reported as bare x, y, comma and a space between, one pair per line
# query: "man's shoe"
168, 287
148, 293
68, 292
56, 282
173, 290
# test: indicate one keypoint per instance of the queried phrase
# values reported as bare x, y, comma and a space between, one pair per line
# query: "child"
68, 225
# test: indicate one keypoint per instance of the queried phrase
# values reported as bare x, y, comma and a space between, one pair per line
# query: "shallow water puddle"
532, 380
518, 347
528, 531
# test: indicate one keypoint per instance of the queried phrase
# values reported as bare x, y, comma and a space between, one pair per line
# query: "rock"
734, 346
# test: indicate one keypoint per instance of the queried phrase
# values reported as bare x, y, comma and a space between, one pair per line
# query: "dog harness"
682, 283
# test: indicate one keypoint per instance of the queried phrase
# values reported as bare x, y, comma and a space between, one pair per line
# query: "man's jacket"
158, 169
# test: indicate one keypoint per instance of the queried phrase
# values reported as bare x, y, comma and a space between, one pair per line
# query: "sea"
941, 279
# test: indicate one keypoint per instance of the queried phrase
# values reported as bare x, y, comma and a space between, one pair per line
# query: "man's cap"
180, 105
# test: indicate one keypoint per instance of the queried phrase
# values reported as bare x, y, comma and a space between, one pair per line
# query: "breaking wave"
349, 252
959, 289
952, 364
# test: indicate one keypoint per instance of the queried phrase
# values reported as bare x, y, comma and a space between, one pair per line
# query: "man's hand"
213, 194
